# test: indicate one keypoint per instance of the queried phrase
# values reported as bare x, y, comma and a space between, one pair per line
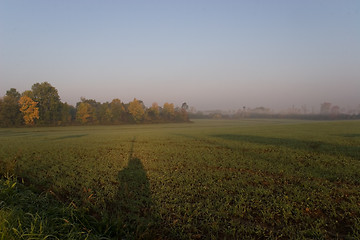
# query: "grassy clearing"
209, 179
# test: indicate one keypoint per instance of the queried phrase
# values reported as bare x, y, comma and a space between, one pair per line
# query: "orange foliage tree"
85, 113
168, 111
136, 109
29, 109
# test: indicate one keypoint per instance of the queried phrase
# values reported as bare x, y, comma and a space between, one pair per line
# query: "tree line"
332, 113
41, 106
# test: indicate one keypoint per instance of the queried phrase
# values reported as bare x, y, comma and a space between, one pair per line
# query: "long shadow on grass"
352, 135
136, 216
70, 136
315, 146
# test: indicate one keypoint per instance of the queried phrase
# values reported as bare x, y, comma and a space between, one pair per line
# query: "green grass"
212, 179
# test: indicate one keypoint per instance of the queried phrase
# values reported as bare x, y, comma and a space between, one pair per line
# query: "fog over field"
210, 54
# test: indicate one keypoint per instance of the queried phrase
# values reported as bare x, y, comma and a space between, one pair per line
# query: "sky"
212, 54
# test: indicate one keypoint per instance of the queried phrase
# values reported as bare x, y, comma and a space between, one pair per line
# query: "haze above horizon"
210, 54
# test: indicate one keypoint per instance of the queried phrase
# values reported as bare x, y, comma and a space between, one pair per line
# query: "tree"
325, 108
153, 112
28, 93
185, 106
1, 113
104, 114
168, 111
68, 113
13, 93
183, 112
29, 110
49, 102
136, 109
108, 116
10, 114
85, 113
117, 110
95, 109
335, 110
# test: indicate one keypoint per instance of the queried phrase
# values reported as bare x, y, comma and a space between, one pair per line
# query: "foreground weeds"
27, 215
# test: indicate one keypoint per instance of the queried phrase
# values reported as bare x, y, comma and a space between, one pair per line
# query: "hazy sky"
212, 54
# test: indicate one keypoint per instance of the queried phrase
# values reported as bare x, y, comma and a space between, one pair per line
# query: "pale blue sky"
211, 54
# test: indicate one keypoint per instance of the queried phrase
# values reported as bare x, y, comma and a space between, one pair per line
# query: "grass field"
211, 179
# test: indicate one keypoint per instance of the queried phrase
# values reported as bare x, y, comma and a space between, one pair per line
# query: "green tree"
28, 93
13, 93
108, 115
117, 111
67, 114
10, 114
49, 102
153, 112
103, 113
136, 109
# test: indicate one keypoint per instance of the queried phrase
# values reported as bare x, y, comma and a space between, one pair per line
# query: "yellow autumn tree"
84, 112
29, 109
168, 111
136, 109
